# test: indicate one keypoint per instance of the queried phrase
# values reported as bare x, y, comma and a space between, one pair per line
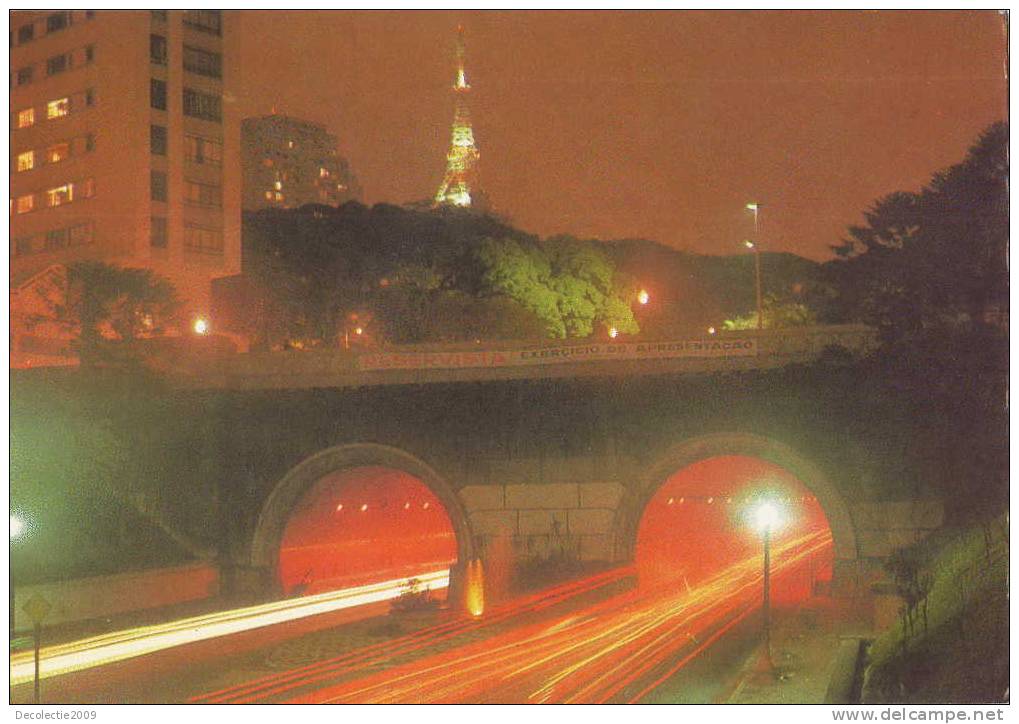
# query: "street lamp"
643, 297
756, 208
17, 529
754, 247
201, 326
767, 518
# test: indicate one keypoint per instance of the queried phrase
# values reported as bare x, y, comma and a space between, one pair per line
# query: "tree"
570, 285
777, 314
935, 259
102, 301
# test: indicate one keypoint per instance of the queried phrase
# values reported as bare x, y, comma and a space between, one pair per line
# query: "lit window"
268, 195
279, 196
323, 173
290, 144
278, 185
26, 161
26, 118
58, 108
60, 195
58, 152
25, 204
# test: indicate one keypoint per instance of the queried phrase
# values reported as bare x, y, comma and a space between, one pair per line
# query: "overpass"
539, 452
418, 364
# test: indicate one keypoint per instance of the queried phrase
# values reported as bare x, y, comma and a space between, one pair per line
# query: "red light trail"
617, 650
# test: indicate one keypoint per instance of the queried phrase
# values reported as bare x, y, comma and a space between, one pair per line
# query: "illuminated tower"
460, 184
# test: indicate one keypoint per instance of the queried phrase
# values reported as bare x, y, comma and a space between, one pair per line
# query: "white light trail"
120, 645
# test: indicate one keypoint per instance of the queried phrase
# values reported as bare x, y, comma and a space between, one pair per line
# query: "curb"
842, 683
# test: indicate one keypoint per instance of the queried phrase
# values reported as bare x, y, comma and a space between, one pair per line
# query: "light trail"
607, 652
407, 645
121, 645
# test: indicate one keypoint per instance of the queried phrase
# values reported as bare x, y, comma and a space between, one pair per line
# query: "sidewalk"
805, 641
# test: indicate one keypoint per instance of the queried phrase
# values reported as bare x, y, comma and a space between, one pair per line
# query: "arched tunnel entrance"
692, 513
363, 525
705, 519
359, 514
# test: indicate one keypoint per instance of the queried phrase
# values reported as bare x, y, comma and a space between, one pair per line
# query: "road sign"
37, 608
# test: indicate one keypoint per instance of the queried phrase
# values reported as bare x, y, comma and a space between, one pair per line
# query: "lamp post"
766, 517
755, 246
17, 529
757, 274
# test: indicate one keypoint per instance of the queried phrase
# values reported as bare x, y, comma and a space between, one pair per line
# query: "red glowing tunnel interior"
364, 525
704, 519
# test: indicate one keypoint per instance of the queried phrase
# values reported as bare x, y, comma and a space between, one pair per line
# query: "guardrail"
428, 363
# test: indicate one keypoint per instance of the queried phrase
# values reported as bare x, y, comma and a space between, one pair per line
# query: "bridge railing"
422, 363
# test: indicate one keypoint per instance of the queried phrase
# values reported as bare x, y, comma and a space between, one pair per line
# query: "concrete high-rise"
124, 146
287, 163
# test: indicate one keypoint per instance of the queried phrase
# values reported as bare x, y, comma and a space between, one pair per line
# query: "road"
585, 641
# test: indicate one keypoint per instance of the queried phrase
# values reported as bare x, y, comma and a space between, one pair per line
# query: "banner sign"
564, 354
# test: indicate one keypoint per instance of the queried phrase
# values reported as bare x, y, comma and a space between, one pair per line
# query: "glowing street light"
201, 326
754, 247
17, 527
766, 518
613, 332
643, 297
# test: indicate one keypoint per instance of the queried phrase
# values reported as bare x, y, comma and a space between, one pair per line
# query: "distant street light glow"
613, 332
201, 326
748, 244
17, 527
643, 297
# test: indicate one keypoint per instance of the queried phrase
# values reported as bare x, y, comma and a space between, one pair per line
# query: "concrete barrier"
83, 599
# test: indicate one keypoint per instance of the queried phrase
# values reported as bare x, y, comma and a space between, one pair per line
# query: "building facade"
287, 163
122, 147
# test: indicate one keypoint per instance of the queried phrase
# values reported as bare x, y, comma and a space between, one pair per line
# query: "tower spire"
460, 180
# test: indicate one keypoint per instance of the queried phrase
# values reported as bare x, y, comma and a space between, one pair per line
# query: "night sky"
659, 125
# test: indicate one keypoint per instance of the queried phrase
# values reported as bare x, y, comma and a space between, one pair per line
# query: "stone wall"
581, 517
574, 517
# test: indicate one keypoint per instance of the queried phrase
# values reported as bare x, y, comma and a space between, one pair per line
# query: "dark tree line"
933, 260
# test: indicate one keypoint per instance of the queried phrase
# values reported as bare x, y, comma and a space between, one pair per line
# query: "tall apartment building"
123, 148
287, 163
